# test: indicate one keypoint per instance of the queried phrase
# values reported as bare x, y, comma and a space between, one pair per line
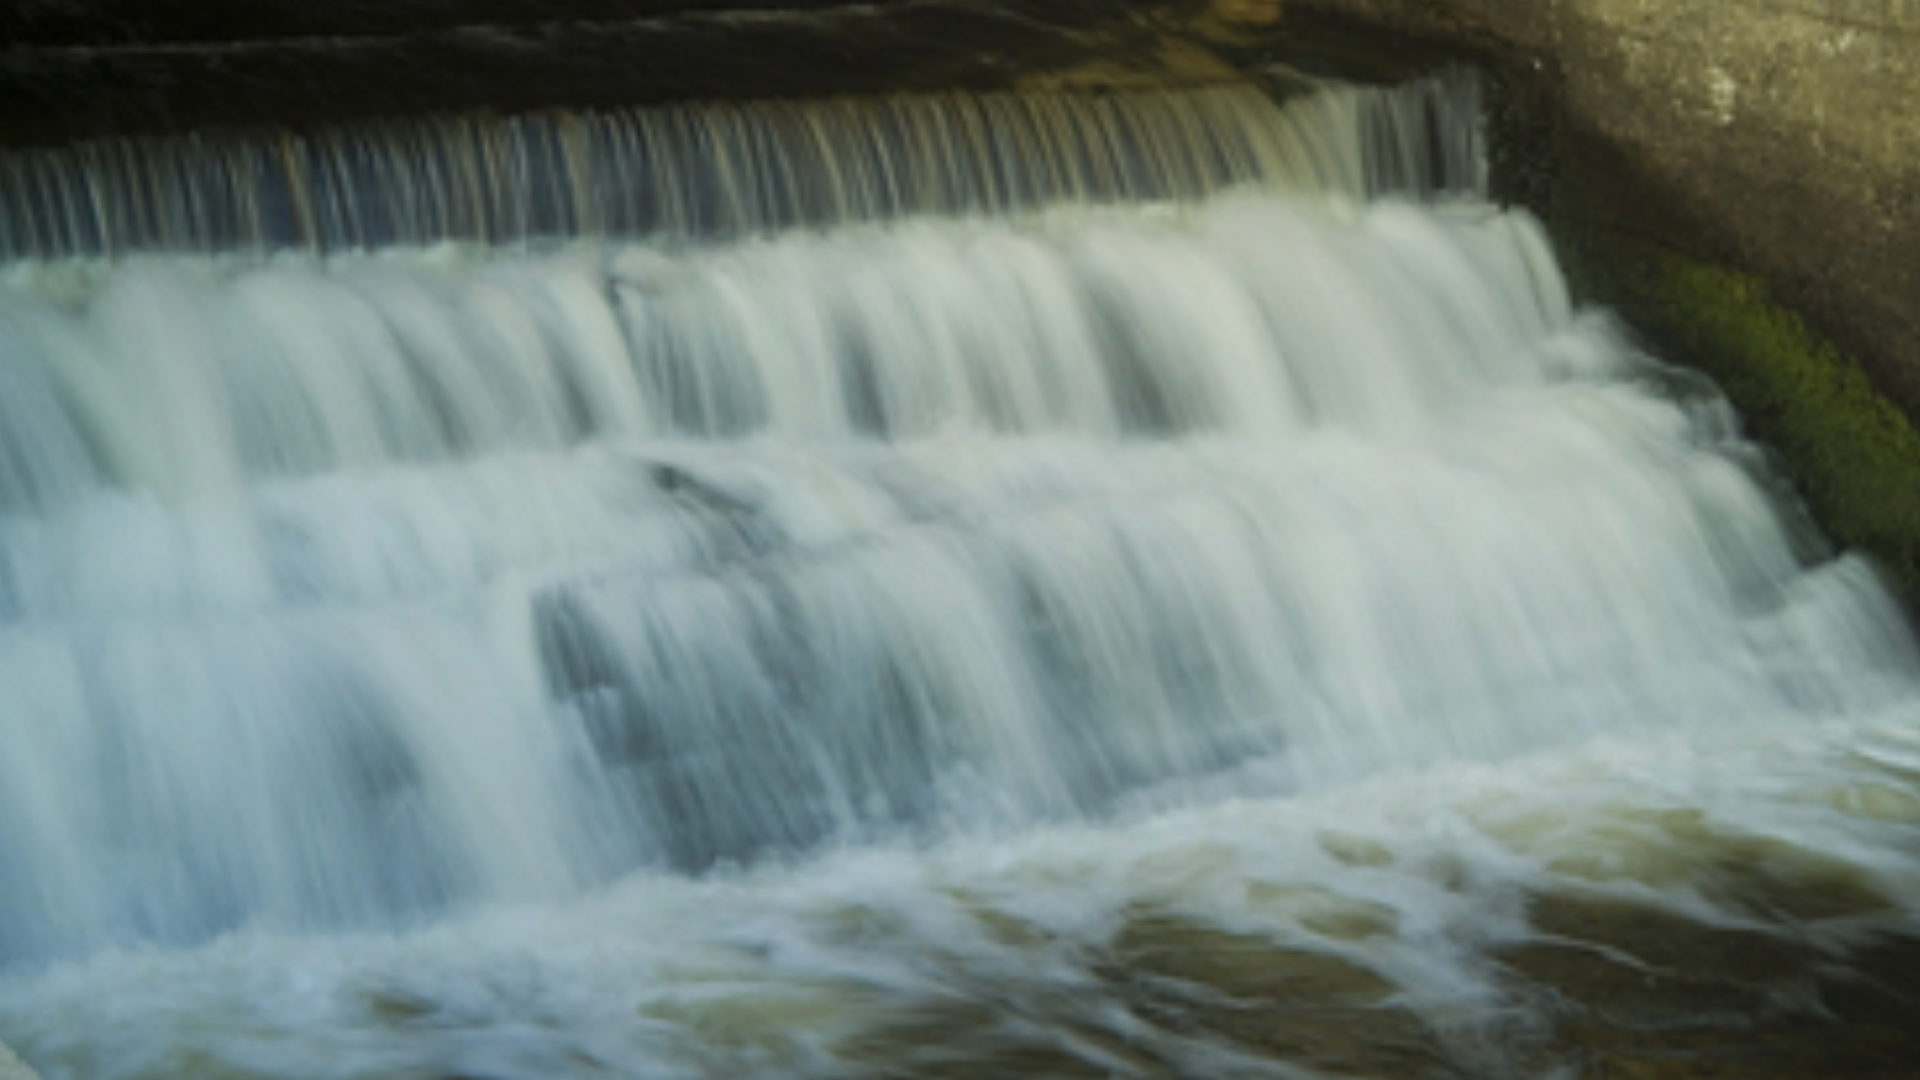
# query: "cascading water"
810, 589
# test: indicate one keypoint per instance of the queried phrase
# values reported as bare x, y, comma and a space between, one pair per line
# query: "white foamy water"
809, 654
882, 959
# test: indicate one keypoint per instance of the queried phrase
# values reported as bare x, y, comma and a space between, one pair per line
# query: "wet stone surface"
1635, 992
1602, 990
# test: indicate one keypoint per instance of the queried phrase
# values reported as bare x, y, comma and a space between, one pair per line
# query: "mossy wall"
1854, 455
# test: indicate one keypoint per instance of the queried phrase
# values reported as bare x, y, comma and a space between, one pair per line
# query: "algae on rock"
1854, 455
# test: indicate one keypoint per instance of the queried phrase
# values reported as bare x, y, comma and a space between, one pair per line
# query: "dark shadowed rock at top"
114, 67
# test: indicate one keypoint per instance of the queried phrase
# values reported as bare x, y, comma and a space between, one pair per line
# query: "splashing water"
954, 586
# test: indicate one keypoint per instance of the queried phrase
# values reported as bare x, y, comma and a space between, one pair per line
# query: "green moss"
1854, 454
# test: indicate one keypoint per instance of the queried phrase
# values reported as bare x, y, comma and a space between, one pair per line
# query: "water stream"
1018, 585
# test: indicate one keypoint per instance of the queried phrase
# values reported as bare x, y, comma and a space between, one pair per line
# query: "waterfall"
407, 522
714, 170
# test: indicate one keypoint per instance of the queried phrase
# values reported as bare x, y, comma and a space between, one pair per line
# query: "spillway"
850, 588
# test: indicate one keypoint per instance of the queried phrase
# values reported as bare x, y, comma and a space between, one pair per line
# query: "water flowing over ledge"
942, 636
720, 170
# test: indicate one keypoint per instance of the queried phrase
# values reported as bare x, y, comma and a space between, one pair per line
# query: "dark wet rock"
89, 68
1309, 1009
132, 22
1635, 991
1599, 988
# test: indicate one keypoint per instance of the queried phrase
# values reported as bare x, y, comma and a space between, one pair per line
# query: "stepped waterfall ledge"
1148, 584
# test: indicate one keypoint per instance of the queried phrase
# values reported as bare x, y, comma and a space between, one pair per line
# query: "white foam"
713, 660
